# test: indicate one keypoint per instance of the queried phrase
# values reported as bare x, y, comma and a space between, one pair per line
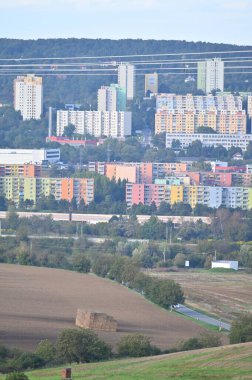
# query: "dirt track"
37, 303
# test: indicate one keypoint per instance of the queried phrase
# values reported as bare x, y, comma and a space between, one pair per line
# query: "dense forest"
61, 89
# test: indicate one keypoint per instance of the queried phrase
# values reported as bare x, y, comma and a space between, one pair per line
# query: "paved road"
202, 317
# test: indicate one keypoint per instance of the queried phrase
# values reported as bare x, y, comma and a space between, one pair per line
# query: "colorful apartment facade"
189, 121
19, 189
211, 196
23, 170
137, 172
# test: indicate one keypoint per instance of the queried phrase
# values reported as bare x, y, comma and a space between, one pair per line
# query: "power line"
19, 59
149, 62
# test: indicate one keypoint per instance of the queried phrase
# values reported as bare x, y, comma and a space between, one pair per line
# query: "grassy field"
222, 363
218, 294
37, 303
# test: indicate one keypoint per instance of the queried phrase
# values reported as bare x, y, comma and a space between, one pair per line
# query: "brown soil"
37, 303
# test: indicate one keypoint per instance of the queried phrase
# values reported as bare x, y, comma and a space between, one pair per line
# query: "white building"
210, 75
226, 264
28, 156
96, 123
226, 140
111, 98
127, 79
28, 96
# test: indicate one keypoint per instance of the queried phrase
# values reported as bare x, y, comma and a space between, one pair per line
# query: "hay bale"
95, 321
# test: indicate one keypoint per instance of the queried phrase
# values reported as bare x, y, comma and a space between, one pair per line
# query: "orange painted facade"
122, 172
67, 189
26, 170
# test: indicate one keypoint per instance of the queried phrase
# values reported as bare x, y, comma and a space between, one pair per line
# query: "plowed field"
37, 303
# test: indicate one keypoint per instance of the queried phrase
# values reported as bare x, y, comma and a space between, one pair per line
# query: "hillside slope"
60, 89
222, 363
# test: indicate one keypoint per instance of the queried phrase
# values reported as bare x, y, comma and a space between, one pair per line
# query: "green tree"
246, 256
179, 260
81, 263
136, 345
117, 268
164, 292
153, 229
69, 130
3, 203
102, 265
81, 346
181, 209
241, 329
46, 350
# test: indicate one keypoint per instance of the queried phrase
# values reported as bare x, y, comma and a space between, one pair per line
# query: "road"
202, 317
104, 218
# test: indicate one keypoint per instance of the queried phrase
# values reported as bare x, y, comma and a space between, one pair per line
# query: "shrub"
210, 340
203, 341
191, 344
27, 360
80, 346
136, 345
16, 376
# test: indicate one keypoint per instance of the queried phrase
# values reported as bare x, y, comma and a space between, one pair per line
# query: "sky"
227, 21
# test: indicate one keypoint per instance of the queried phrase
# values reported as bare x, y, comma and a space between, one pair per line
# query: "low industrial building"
225, 264
209, 139
29, 156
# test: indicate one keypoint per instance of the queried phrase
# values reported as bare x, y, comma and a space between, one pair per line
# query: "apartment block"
210, 75
111, 98
137, 172
218, 102
96, 123
211, 196
28, 96
188, 122
208, 140
18, 189
127, 79
26, 170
